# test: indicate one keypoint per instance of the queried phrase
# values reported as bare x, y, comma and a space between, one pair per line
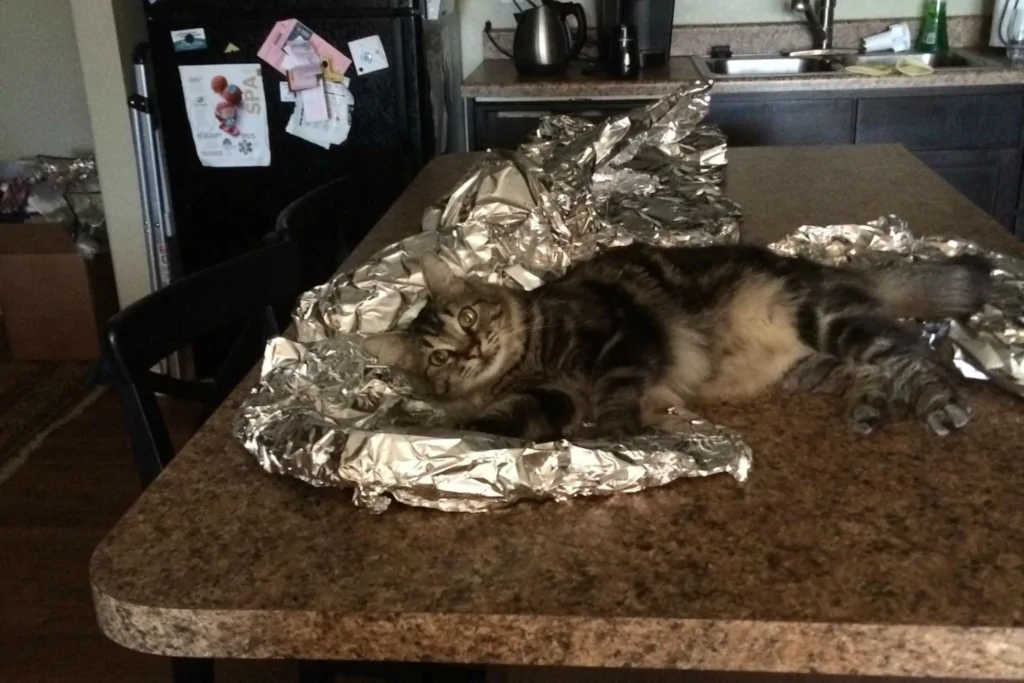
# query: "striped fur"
632, 338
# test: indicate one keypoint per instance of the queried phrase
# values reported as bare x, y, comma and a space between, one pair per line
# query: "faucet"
820, 17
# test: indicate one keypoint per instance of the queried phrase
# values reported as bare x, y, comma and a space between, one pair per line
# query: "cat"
634, 337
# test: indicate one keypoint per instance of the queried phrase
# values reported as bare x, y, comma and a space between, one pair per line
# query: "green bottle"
934, 35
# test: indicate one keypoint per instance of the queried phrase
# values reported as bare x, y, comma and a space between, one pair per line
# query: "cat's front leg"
537, 414
618, 404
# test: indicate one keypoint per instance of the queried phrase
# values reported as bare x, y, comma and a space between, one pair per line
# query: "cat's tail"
955, 288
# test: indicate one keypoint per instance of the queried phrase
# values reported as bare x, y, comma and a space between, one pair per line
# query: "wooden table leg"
316, 672
191, 670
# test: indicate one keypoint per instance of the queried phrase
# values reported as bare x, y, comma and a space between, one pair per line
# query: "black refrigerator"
197, 215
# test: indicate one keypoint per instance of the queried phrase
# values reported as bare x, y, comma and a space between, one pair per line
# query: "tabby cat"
632, 338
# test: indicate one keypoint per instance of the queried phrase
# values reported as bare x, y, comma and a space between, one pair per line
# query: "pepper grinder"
625, 52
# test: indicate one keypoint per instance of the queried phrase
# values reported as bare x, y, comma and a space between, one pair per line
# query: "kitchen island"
899, 554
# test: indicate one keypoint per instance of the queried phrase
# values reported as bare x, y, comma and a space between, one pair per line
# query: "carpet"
35, 395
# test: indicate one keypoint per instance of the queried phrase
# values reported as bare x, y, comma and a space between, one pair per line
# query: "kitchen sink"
753, 66
937, 60
768, 66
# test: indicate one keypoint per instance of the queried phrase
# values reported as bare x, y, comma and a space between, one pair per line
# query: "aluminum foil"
328, 414
57, 190
988, 346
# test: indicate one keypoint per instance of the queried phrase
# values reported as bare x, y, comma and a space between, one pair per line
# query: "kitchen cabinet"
989, 178
972, 137
507, 124
751, 122
982, 121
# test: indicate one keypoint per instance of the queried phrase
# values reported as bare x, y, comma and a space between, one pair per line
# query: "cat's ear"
440, 279
393, 349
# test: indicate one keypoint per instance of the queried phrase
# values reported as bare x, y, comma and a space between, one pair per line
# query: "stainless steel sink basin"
937, 60
754, 66
768, 66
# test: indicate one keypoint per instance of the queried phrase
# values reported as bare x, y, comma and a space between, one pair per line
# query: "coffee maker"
653, 22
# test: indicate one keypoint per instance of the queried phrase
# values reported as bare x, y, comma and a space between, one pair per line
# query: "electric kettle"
542, 45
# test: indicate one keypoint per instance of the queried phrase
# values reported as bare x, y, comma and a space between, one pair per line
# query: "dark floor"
53, 512
57, 507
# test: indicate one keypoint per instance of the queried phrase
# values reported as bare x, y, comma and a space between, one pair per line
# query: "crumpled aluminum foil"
326, 413
58, 190
989, 346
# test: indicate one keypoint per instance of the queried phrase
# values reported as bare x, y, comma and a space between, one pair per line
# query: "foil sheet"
328, 414
989, 346
57, 190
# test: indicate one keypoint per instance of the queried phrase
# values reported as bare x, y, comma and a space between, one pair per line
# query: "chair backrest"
242, 290
315, 223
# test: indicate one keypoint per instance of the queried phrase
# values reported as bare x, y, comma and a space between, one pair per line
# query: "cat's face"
462, 340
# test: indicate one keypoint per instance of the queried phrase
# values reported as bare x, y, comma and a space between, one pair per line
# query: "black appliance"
197, 216
625, 58
653, 22
543, 45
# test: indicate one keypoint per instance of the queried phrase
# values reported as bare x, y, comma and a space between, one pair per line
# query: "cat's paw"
866, 412
943, 411
593, 432
674, 420
930, 393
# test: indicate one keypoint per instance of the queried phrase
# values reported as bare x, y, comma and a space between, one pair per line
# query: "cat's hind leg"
890, 364
817, 373
863, 386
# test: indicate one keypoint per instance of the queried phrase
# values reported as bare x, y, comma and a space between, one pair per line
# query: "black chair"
315, 223
242, 292
247, 292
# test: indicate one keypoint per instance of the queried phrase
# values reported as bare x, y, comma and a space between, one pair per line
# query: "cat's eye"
439, 357
467, 317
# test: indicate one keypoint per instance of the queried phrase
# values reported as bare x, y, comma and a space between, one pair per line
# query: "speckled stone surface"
898, 554
497, 78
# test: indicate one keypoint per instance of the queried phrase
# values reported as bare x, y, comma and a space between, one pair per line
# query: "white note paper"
314, 103
310, 131
340, 103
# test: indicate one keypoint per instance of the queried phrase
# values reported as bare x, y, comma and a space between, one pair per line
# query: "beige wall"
42, 99
475, 12
107, 32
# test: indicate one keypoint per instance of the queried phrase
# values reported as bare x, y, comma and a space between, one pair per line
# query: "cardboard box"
53, 302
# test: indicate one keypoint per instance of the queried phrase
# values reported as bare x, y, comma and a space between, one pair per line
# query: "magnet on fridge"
368, 54
330, 75
231, 48
188, 39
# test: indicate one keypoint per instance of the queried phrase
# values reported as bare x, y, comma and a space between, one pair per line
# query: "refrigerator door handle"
157, 218
138, 107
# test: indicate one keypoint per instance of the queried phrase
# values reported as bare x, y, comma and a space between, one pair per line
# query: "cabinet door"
991, 121
506, 125
989, 178
754, 122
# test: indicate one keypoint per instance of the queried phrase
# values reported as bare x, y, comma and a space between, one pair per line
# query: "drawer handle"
522, 114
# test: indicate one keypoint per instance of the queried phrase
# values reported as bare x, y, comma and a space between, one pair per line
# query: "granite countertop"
898, 554
497, 78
